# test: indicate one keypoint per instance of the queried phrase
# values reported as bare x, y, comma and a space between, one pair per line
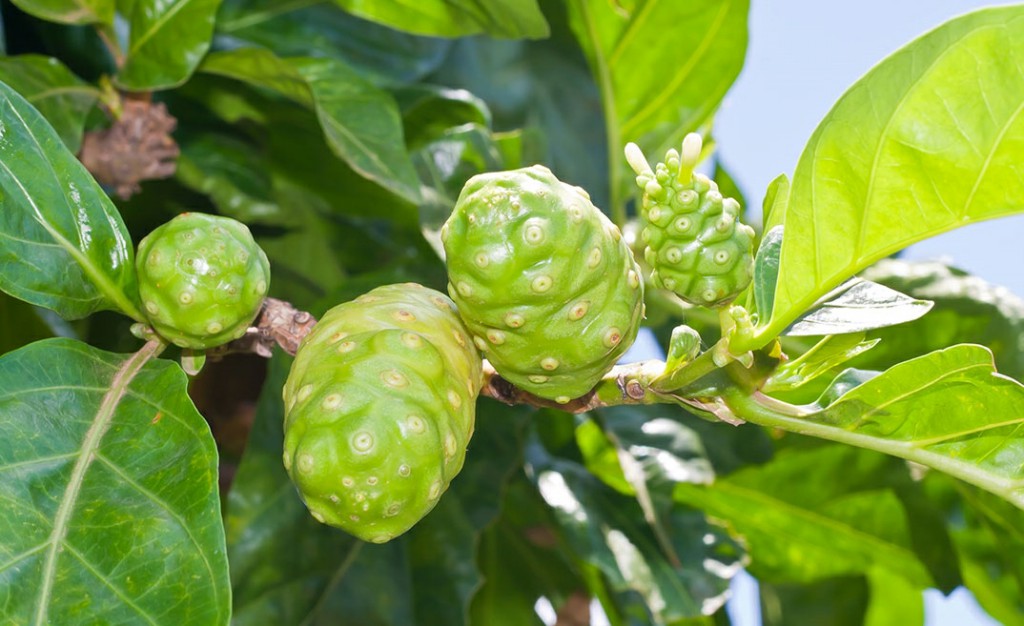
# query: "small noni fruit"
694, 240
380, 404
202, 279
544, 281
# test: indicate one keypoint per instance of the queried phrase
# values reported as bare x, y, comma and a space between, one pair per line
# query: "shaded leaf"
110, 491
360, 122
383, 55
834, 601
907, 153
20, 324
688, 70
64, 99
70, 11
166, 42
62, 243
840, 521
455, 18
608, 531
827, 354
967, 309
766, 271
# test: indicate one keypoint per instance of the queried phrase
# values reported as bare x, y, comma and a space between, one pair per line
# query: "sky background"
803, 55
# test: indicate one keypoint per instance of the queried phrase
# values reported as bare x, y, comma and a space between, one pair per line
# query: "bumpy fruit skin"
694, 240
544, 281
380, 404
202, 279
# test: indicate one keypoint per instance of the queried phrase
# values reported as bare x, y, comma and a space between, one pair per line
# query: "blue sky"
803, 55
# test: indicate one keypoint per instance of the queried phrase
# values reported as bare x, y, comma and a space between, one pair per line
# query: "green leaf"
841, 521
70, 11
687, 70
64, 99
858, 306
62, 241
455, 18
775, 199
967, 310
924, 143
608, 530
383, 55
167, 40
826, 355
360, 122
110, 491
834, 601
766, 271
893, 600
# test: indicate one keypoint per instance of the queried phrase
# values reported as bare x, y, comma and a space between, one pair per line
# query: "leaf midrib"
122, 378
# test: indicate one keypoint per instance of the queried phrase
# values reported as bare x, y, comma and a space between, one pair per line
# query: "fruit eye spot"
372, 480
594, 259
673, 255
449, 446
724, 224
578, 310
670, 283
514, 320
304, 392
404, 470
465, 290
332, 401
336, 337
576, 213
541, 284
403, 316
633, 279
454, 399
152, 307
306, 463
722, 257
683, 224
654, 214
459, 339
394, 378
415, 423
412, 340
213, 328
317, 515
496, 337
538, 379
550, 364
185, 297
481, 259
563, 399
393, 510
709, 295
687, 197
435, 490
381, 539
534, 234
346, 346
612, 337
481, 345
261, 287
362, 442
348, 481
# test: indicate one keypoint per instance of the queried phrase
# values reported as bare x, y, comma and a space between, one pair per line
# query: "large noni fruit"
694, 239
202, 279
379, 407
543, 280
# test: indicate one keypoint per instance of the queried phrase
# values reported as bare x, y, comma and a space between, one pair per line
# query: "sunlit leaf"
70, 11
166, 42
455, 18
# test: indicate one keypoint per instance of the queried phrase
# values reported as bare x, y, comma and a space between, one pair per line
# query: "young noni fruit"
544, 281
202, 279
694, 240
380, 404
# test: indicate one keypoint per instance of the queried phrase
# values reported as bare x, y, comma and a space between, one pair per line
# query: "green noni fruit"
694, 240
544, 281
202, 279
380, 404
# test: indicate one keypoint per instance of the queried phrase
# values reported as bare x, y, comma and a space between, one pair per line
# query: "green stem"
694, 371
611, 119
763, 410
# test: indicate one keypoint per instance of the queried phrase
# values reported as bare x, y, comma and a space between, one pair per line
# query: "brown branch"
278, 323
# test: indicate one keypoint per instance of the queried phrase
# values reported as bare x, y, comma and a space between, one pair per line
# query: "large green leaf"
64, 99
383, 55
167, 40
663, 67
455, 18
111, 510
926, 142
360, 122
70, 11
809, 515
62, 243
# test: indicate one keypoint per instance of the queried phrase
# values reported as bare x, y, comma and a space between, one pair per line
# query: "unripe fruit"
694, 240
543, 280
202, 279
380, 404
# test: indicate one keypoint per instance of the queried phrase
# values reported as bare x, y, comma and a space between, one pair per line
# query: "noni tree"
319, 313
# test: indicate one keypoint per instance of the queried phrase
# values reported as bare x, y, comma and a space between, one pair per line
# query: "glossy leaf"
64, 99
233, 173
823, 357
359, 121
110, 491
688, 69
62, 241
766, 271
608, 531
455, 18
924, 143
840, 521
167, 41
967, 309
948, 410
70, 11
859, 306
383, 55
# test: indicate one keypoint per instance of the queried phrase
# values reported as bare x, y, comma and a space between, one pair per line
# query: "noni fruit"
544, 281
202, 279
380, 404
694, 239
